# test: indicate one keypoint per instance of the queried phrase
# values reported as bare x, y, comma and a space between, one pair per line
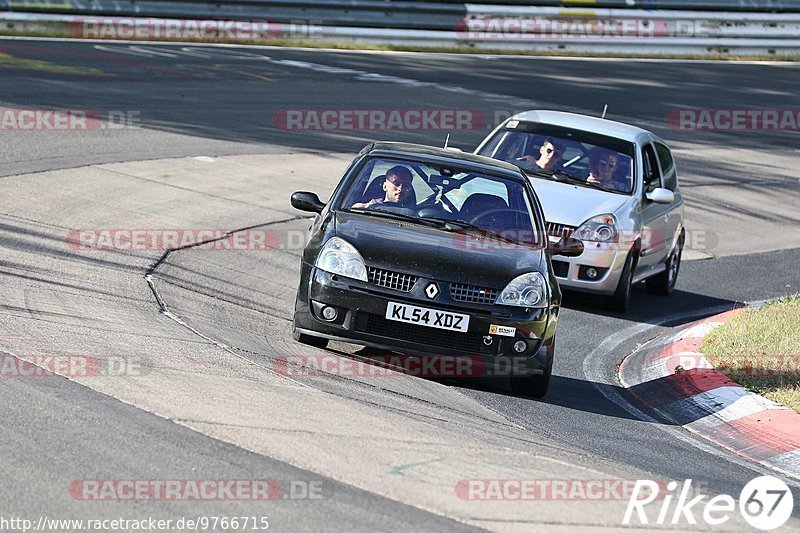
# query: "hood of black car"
465, 257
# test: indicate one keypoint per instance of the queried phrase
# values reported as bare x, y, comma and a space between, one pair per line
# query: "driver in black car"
397, 188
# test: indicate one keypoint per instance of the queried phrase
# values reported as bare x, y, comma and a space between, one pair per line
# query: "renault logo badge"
432, 290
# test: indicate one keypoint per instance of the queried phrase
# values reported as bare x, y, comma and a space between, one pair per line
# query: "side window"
667, 167
652, 177
511, 146
491, 147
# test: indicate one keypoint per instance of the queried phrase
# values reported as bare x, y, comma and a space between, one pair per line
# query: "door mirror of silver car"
661, 196
307, 201
568, 247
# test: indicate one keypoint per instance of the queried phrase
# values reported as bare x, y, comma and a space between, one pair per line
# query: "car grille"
458, 342
559, 230
469, 293
391, 280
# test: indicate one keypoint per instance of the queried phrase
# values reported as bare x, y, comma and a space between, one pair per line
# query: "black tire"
316, 342
621, 298
534, 386
664, 283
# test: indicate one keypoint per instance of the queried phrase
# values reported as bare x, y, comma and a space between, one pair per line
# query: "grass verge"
760, 350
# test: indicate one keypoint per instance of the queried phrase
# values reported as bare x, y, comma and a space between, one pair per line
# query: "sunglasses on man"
399, 182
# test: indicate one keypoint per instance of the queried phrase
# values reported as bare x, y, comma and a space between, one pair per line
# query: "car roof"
583, 122
433, 152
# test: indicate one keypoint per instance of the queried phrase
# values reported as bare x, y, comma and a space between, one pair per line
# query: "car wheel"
316, 342
534, 386
664, 282
621, 298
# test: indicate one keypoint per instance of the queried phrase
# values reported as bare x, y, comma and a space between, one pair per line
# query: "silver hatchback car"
611, 185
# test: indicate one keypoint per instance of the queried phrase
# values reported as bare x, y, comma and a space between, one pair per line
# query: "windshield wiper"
395, 216
448, 223
557, 175
603, 187
562, 177
464, 225
437, 222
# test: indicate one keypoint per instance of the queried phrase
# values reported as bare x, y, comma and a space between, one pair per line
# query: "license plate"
431, 318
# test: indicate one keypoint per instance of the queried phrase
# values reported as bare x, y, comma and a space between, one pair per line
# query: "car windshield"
551, 152
446, 197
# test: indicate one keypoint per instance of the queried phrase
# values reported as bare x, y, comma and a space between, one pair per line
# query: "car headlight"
602, 228
527, 290
340, 257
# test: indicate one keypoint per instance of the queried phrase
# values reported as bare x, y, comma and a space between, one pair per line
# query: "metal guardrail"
381, 13
426, 23
356, 13
511, 23
754, 6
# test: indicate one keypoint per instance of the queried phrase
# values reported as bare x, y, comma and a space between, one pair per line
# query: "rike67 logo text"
765, 503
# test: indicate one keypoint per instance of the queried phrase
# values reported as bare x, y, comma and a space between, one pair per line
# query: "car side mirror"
568, 247
660, 195
307, 201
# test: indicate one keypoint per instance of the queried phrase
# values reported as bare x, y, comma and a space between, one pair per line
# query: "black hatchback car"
433, 252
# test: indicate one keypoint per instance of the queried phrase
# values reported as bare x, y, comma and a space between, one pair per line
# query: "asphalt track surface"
215, 103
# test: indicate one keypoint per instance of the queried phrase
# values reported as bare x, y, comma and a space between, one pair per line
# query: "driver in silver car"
549, 155
397, 187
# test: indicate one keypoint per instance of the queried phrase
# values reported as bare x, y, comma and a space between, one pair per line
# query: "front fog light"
591, 273
520, 346
329, 313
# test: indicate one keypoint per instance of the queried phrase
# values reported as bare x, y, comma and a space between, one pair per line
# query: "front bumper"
362, 307
608, 260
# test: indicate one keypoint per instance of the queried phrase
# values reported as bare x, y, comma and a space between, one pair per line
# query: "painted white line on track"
359, 75
166, 312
